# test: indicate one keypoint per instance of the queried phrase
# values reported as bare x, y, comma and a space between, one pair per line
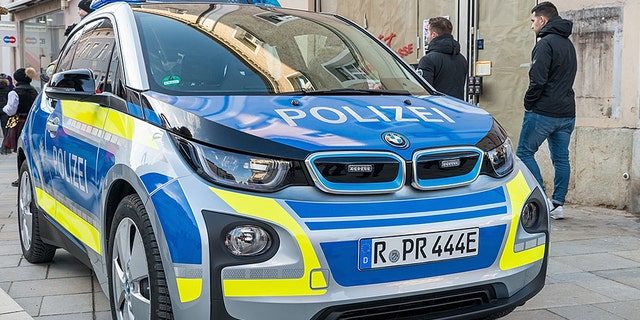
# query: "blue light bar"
95, 4
272, 3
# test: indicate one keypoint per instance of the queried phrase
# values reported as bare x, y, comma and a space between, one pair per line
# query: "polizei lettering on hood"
369, 114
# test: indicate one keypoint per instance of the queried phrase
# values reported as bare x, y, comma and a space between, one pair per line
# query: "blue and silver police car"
242, 161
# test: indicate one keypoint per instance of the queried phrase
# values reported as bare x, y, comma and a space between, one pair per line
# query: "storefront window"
43, 37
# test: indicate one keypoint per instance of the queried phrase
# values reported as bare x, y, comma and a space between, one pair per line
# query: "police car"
243, 161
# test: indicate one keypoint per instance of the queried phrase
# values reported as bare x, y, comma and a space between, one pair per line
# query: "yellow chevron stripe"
86, 112
518, 192
120, 124
70, 221
189, 289
114, 122
270, 210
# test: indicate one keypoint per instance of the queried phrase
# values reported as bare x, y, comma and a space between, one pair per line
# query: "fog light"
530, 215
247, 241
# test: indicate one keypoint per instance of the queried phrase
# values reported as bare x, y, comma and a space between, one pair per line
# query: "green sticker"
171, 81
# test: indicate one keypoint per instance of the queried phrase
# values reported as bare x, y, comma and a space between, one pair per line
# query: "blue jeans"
557, 131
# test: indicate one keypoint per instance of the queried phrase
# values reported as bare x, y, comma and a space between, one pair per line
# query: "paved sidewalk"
594, 270
64, 289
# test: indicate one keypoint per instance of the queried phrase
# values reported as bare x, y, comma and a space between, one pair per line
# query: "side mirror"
76, 84
79, 85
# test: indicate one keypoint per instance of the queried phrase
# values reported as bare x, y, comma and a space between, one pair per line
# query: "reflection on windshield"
235, 49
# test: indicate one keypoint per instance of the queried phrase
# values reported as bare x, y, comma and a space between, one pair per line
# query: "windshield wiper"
346, 92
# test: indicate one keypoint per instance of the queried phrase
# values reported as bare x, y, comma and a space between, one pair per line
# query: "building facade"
496, 38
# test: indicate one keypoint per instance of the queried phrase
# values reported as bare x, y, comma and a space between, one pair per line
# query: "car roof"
96, 4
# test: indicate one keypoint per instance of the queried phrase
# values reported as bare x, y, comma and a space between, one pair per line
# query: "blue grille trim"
377, 187
449, 182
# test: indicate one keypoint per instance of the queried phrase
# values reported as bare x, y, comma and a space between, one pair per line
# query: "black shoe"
14, 184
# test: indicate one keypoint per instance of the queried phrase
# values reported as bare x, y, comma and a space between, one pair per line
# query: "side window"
94, 51
66, 54
111, 81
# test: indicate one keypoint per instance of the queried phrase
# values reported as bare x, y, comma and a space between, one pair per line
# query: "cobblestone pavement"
594, 270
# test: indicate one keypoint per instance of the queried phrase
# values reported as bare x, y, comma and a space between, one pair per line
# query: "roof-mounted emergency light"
95, 4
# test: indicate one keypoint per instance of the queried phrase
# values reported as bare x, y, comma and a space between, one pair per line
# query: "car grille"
357, 172
446, 168
385, 172
431, 306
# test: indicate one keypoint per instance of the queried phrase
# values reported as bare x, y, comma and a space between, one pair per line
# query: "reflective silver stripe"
187, 271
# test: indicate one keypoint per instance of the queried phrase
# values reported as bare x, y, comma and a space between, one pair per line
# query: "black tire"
145, 289
33, 248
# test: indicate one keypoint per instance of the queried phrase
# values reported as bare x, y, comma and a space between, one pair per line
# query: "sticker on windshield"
171, 81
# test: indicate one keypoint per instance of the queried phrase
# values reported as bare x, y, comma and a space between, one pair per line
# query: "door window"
94, 52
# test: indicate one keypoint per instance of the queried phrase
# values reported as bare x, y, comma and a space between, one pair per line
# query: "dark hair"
85, 5
25, 74
440, 25
545, 9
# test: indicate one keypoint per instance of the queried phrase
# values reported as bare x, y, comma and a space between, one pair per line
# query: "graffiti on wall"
402, 51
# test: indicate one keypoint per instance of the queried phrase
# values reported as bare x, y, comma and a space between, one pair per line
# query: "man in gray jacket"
443, 66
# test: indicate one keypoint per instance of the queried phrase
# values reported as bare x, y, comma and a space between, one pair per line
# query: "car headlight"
238, 170
499, 157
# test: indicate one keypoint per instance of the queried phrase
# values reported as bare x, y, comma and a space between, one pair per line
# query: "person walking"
19, 102
549, 102
443, 66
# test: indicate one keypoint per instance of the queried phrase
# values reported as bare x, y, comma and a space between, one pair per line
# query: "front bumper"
314, 274
473, 302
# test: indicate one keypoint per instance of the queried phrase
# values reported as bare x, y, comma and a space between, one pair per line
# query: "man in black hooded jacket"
84, 8
550, 100
443, 66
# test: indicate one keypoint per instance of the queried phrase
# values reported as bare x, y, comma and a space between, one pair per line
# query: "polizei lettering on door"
71, 168
369, 114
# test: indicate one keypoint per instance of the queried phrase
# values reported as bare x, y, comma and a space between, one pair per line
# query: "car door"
74, 135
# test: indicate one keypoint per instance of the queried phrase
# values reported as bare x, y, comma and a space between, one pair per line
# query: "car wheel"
33, 248
137, 284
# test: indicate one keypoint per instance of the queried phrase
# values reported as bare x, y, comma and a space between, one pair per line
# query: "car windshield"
215, 49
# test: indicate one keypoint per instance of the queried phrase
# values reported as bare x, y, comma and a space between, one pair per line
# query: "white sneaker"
557, 213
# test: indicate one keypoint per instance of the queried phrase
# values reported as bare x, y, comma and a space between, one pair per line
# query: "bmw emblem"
395, 139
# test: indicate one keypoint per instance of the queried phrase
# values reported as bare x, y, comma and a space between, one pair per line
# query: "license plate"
417, 248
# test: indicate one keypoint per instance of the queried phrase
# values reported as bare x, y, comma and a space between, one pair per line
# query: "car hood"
295, 126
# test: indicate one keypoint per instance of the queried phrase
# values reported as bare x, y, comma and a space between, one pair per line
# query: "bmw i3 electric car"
229, 161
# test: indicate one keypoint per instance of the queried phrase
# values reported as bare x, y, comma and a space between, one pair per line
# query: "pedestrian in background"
4, 93
19, 101
84, 8
443, 66
550, 106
